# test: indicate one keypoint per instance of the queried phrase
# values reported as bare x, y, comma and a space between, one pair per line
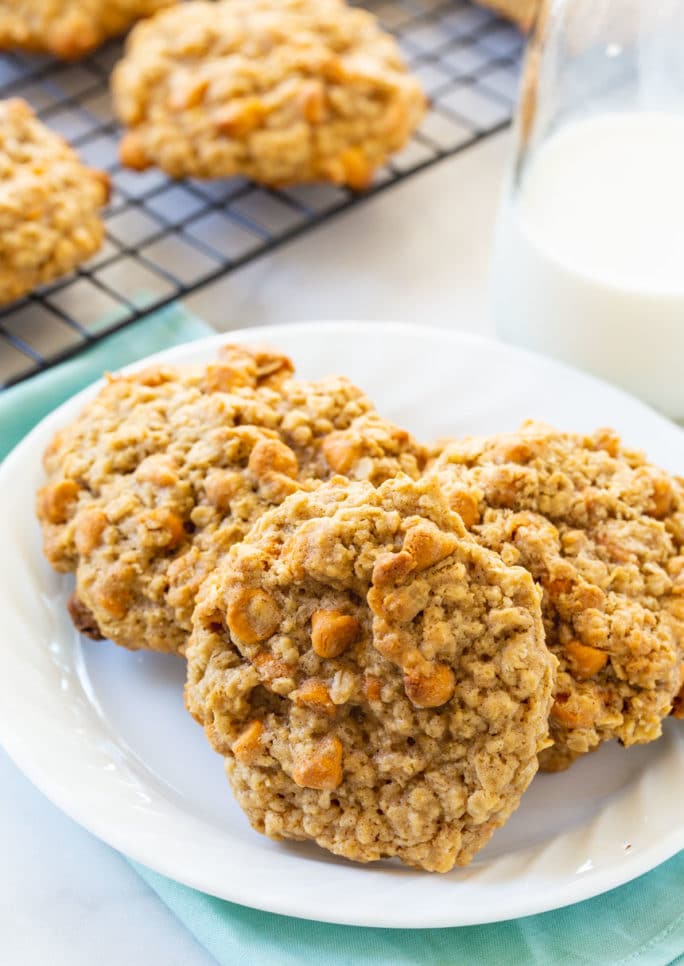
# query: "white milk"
589, 256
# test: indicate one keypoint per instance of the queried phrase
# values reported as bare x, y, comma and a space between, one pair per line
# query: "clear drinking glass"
588, 261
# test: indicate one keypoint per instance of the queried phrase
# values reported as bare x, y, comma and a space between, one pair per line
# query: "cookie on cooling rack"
280, 91
602, 532
376, 680
522, 12
69, 29
49, 203
167, 468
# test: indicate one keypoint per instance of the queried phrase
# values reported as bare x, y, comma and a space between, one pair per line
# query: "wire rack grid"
165, 239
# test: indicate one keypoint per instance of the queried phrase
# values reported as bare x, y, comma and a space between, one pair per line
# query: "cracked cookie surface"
279, 91
376, 680
165, 469
49, 203
602, 531
69, 29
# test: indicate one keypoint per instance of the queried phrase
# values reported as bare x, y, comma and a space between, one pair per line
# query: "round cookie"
602, 531
69, 28
279, 91
167, 468
127, 506
376, 680
136, 416
49, 203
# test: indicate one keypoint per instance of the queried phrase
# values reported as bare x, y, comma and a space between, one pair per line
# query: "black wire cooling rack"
166, 239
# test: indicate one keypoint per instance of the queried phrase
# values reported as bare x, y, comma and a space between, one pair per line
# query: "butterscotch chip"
430, 685
332, 632
166, 468
280, 91
465, 504
391, 729
370, 448
56, 502
333, 409
320, 766
314, 694
426, 545
372, 688
252, 615
602, 532
247, 746
161, 527
69, 28
585, 661
240, 365
576, 710
89, 529
49, 203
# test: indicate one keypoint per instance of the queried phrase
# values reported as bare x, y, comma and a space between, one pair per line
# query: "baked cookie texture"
167, 468
602, 532
69, 29
522, 12
49, 203
376, 680
280, 91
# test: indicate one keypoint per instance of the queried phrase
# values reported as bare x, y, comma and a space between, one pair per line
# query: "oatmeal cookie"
162, 472
167, 468
376, 680
49, 203
141, 415
370, 448
69, 28
602, 532
279, 91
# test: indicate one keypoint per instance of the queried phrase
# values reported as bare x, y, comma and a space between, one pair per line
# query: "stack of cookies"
279, 91
383, 641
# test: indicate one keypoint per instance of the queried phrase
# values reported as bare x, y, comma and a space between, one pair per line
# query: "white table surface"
419, 253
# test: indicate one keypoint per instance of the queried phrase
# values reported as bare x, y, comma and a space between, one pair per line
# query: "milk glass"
588, 261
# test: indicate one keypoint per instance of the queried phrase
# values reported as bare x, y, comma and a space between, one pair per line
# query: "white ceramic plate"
104, 734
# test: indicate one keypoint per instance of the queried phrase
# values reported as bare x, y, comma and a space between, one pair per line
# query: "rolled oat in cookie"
280, 91
166, 468
602, 532
376, 680
49, 203
370, 448
69, 28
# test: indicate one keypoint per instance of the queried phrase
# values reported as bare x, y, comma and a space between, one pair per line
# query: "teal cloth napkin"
24, 405
639, 923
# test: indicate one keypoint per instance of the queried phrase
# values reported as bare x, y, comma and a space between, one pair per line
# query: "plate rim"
637, 864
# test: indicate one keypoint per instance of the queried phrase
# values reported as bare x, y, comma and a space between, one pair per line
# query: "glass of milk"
588, 260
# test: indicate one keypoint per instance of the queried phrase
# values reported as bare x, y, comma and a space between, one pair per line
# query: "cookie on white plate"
165, 469
376, 680
602, 532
